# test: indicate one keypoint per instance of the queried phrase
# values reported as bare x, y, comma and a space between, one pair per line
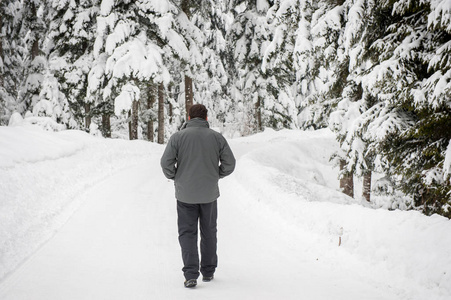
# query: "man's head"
198, 111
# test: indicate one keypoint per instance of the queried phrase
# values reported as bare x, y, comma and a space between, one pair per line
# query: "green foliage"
13, 52
417, 155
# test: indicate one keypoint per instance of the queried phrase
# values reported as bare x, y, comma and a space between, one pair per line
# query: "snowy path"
122, 244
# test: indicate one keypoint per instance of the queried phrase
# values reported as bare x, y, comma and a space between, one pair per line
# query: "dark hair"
198, 111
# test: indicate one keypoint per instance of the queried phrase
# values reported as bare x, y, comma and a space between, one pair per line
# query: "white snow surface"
83, 217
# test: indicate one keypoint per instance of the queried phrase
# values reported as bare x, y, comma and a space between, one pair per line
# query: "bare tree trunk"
130, 125
170, 113
186, 8
347, 182
133, 131
150, 131
188, 94
150, 102
1, 49
35, 46
161, 113
367, 186
87, 116
35, 49
106, 124
258, 114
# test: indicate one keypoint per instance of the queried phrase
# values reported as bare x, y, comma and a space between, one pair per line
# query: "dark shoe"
190, 283
207, 278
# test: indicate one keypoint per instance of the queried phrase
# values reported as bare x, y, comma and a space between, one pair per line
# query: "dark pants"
189, 216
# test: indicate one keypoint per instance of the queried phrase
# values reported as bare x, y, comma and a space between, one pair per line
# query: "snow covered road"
274, 240
122, 244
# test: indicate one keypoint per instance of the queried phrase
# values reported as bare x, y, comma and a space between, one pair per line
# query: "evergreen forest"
377, 73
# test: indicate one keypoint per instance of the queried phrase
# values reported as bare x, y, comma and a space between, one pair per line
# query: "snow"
123, 102
447, 163
440, 14
354, 23
46, 146
106, 6
441, 88
46, 123
121, 32
68, 15
103, 24
262, 5
158, 6
92, 218
303, 44
329, 21
80, 22
135, 59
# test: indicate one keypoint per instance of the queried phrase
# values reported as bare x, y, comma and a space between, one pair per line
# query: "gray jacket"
196, 157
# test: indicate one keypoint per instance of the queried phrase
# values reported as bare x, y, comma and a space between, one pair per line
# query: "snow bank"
31, 144
289, 172
43, 176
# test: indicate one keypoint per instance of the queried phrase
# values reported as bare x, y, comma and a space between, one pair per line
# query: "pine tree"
32, 32
186, 7
2, 89
392, 125
321, 67
72, 32
248, 37
148, 112
355, 158
211, 82
12, 53
127, 54
417, 153
283, 20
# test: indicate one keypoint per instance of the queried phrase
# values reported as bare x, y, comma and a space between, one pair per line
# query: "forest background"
377, 73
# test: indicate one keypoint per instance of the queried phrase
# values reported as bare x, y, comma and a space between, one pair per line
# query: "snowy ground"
89, 218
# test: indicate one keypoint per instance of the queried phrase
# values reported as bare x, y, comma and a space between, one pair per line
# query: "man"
196, 157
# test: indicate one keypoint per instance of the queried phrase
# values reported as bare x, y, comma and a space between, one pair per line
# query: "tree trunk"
87, 116
35, 49
258, 114
188, 94
134, 121
170, 113
35, 46
367, 186
347, 182
1, 50
161, 113
150, 131
106, 125
130, 125
185, 6
150, 102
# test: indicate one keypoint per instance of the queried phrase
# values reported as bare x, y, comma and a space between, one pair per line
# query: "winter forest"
377, 73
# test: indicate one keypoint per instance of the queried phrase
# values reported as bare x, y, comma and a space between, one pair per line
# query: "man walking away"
196, 158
